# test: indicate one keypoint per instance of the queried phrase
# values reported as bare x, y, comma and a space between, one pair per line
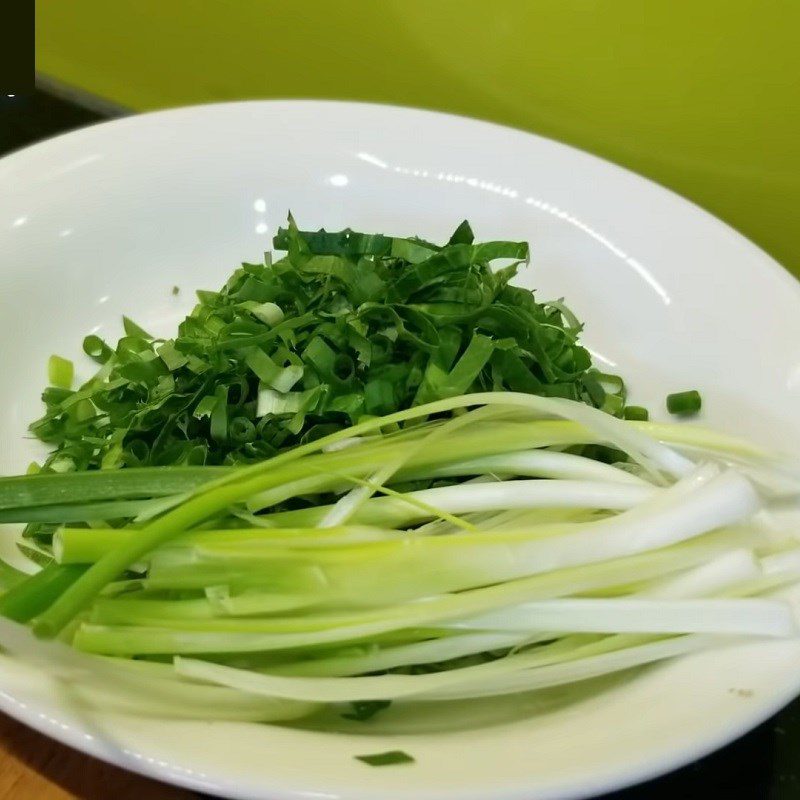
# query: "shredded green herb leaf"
387, 759
345, 326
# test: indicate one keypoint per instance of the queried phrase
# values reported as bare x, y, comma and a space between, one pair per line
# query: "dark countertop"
763, 765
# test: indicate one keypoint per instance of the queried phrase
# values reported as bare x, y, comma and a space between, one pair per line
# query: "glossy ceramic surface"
701, 97
107, 220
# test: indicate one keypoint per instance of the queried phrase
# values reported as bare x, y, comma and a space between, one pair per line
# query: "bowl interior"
107, 220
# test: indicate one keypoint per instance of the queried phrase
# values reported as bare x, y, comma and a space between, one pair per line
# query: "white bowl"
107, 220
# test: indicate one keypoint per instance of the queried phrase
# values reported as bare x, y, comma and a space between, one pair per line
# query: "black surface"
17, 47
25, 119
763, 765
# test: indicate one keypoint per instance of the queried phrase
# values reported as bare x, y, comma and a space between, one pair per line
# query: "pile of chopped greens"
345, 326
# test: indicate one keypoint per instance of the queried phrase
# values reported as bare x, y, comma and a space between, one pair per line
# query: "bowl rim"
35, 715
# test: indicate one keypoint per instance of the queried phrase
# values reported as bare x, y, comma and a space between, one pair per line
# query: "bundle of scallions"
454, 550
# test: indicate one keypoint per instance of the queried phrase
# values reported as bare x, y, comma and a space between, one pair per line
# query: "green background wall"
701, 96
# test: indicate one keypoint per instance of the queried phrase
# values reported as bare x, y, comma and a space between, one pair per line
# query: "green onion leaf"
389, 758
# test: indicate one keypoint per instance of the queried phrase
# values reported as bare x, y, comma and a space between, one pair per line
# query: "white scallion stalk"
538, 568
700, 503
145, 634
538, 464
778, 571
782, 563
375, 658
756, 617
524, 670
343, 444
142, 689
220, 599
348, 505
719, 574
461, 499
368, 592
579, 669
652, 455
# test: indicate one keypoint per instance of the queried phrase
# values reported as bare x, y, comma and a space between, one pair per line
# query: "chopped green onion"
684, 403
60, 372
386, 759
638, 413
268, 313
132, 329
353, 323
218, 424
171, 356
281, 379
97, 349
